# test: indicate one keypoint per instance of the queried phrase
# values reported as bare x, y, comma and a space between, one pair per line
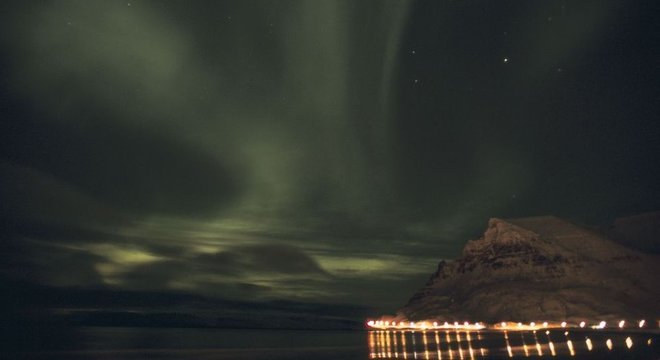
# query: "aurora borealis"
312, 151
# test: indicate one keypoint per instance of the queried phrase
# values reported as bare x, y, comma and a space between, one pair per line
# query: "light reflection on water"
465, 344
449, 344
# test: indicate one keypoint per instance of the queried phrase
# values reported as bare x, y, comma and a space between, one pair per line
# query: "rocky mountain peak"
539, 268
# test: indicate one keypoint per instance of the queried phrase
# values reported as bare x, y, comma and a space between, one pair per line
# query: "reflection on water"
465, 344
446, 344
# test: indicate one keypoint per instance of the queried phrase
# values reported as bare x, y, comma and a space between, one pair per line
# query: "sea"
194, 343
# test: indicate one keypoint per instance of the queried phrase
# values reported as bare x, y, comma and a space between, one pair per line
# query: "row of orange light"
423, 325
563, 324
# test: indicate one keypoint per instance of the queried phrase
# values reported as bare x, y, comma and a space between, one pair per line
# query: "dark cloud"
38, 204
274, 258
48, 264
154, 276
127, 167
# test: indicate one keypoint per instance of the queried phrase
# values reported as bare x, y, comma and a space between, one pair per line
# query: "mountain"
641, 232
540, 268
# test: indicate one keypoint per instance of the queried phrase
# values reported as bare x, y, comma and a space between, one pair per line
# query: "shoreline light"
504, 325
590, 346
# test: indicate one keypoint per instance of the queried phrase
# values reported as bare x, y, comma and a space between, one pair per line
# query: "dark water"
147, 343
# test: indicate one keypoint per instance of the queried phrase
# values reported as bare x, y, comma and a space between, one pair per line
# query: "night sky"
311, 151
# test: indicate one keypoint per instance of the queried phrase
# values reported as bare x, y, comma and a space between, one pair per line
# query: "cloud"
48, 264
30, 196
129, 168
276, 258
258, 270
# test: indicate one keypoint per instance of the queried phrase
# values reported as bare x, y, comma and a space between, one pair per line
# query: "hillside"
540, 268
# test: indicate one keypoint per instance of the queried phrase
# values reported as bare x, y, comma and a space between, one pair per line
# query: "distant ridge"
640, 232
540, 268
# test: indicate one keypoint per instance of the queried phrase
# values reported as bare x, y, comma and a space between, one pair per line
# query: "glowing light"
469, 341
649, 342
525, 349
538, 346
396, 345
458, 341
437, 344
504, 325
414, 346
641, 323
609, 344
388, 342
508, 346
451, 353
372, 345
589, 344
570, 347
552, 348
629, 342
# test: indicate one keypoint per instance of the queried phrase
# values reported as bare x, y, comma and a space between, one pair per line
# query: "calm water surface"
147, 343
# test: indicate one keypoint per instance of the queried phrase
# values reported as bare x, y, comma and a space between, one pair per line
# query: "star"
412, 52
506, 60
